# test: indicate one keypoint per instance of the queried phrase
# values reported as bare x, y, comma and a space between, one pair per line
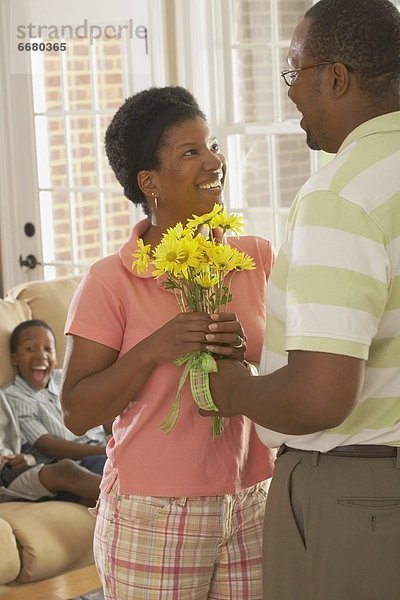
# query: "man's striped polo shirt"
335, 286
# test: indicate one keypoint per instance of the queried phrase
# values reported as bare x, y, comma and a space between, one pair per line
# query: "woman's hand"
184, 333
190, 332
226, 336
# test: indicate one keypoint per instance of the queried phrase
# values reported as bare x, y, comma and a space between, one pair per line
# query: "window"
229, 53
84, 214
240, 48
265, 143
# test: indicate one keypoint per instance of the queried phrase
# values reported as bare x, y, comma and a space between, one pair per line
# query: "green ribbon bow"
198, 365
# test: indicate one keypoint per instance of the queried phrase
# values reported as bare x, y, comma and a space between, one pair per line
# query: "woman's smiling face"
191, 176
35, 358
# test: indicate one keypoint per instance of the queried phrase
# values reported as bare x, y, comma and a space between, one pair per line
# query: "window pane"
253, 164
260, 223
267, 224
82, 140
254, 95
108, 69
51, 151
56, 226
294, 166
252, 21
87, 227
47, 84
78, 77
116, 220
290, 13
79, 243
108, 178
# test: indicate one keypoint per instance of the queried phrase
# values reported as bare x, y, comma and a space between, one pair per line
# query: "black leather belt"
356, 451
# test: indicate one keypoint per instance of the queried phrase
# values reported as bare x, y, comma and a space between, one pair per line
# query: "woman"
180, 515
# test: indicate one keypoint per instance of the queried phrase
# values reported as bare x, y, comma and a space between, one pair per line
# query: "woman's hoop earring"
155, 200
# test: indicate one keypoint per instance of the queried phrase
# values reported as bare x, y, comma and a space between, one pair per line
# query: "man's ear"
14, 359
146, 183
340, 79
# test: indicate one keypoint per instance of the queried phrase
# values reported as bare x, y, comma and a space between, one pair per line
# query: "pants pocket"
376, 513
284, 506
138, 509
370, 502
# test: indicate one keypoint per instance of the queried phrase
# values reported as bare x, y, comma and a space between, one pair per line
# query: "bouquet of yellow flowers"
194, 267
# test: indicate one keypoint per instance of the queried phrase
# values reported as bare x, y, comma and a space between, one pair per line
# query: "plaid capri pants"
184, 548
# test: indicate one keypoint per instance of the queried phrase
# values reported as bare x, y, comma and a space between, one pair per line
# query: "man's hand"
313, 392
231, 375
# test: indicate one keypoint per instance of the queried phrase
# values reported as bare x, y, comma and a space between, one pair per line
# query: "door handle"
29, 261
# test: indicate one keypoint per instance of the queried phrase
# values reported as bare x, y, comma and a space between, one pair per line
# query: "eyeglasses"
291, 75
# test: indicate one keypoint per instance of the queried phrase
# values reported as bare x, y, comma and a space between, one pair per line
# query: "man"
331, 395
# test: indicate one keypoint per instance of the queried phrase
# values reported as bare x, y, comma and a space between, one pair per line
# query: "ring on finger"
241, 342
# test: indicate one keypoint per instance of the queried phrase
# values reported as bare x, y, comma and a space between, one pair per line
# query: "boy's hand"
3, 460
21, 460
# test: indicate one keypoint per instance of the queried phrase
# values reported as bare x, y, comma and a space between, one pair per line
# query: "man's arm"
313, 392
56, 447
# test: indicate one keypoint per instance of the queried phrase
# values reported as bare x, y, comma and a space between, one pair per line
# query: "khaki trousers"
332, 528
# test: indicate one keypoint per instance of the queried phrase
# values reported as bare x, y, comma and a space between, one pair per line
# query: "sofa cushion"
52, 536
11, 314
49, 301
10, 563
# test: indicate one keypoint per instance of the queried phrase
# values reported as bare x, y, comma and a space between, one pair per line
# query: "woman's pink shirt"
117, 307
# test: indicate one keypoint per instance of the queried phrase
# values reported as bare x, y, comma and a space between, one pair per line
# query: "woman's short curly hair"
138, 130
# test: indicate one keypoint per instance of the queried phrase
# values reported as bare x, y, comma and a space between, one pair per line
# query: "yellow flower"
206, 279
204, 219
246, 262
141, 256
232, 222
225, 258
176, 256
222, 258
178, 232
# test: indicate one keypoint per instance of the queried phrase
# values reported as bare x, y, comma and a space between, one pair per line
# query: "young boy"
22, 479
34, 397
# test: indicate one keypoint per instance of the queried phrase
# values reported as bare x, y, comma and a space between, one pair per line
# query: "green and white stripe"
335, 286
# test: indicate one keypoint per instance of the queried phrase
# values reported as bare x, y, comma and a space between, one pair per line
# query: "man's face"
306, 90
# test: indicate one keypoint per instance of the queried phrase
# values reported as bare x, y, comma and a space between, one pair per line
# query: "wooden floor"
62, 587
